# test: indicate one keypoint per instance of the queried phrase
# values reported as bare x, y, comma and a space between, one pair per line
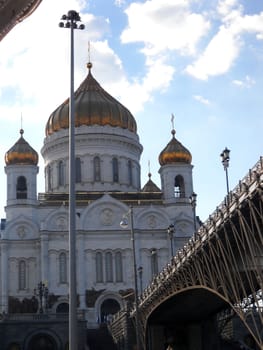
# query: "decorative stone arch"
59, 305
57, 220
184, 226
43, 339
105, 212
22, 228
106, 304
152, 219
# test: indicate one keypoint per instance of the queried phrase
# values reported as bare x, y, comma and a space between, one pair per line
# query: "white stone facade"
34, 238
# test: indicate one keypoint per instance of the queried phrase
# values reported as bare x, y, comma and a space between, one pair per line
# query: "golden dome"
175, 152
21, 153
93, 106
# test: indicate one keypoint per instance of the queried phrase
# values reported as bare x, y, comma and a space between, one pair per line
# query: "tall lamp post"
171, 231
225, 161
193, 203
124, 224
70, 21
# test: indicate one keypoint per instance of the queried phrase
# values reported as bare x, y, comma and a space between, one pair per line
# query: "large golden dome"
93, 106
175, 152
21, 153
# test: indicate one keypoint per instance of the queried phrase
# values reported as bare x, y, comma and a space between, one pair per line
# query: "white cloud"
224, 47
136, 92
247, 82
164, 25
36, 70
119, 3
218, 56
202, 99
229, 10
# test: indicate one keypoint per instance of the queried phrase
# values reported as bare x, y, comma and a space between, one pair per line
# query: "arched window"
96, 167
115, 170
154, 262
62, 308
49, 177
108, 263
179, 189
61, 173
62, 268
108, 308
118, 267
99, 268
21, 188
78, 170
22, 275
130, 173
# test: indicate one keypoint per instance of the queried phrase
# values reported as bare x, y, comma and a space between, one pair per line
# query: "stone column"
44, 257
81, 271
4, 277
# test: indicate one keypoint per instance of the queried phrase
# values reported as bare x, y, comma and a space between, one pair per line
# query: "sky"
200, 60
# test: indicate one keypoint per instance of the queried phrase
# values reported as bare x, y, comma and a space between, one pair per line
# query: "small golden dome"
93, 106
21, 153
175, 152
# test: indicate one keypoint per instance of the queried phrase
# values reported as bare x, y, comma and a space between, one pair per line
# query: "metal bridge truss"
225, 259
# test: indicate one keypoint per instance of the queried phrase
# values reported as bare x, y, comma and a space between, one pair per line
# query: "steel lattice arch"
218, 272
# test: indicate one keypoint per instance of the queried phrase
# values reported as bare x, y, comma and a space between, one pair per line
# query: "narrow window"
48, 174
78, 170
62, 268
109, 272
118, 267
130, 172
179, 190
22, 275
61, 174
21, 188
99, 268
154, 262
115, 170
96, 165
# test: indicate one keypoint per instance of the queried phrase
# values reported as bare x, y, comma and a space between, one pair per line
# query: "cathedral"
34, 252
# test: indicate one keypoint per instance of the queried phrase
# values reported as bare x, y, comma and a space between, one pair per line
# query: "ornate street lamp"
42, 292
171, 231
225, 161
70, 21
124, 224
193, 203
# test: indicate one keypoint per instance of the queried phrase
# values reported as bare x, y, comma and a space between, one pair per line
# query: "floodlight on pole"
225, 157
192, 199
70, 21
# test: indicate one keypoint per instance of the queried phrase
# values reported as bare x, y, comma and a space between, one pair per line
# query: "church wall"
36, 231
96, 232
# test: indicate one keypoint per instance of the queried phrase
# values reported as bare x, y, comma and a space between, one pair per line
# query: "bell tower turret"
176, 172
21, 170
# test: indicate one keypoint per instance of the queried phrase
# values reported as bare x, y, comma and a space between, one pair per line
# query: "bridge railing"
245, 186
